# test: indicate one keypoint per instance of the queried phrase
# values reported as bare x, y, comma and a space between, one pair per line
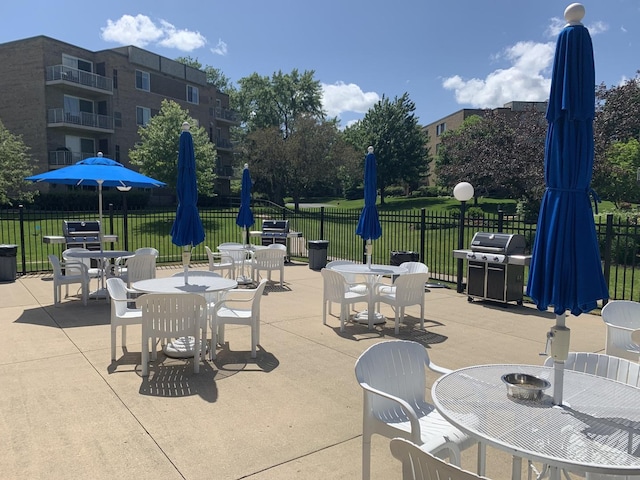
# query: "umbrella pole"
558, 337
186, 258
368, 251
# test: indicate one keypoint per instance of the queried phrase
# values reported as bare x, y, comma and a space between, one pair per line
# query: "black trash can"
318, 254
399, 257
8, 265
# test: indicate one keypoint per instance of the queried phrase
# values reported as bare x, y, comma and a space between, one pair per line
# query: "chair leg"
113, 341
145, 356
197, 351
254, 340
324, 310
366, 456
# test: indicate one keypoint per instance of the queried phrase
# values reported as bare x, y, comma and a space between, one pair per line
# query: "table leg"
516, 468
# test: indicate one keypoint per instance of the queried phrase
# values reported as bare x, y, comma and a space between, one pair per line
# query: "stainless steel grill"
274, 231
496, 264
84, 234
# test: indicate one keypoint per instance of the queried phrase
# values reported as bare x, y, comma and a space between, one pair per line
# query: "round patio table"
597, 429
102, 256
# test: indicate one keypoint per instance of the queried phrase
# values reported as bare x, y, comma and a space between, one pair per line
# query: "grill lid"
275, 226
499, 243
74, 228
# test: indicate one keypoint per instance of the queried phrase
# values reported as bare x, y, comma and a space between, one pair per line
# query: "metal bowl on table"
523, 386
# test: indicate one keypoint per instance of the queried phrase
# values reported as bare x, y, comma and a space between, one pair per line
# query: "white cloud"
142, 31
341, 97
220, 48
524, 80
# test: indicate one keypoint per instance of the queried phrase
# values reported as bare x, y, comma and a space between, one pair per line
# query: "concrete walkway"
67, 412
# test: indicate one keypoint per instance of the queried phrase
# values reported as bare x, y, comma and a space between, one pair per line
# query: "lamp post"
463, 192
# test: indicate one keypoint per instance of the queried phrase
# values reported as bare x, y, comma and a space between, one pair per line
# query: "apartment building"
435, 129
69, 103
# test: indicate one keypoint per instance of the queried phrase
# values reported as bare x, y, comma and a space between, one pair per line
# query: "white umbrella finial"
370, 149
246, 165
574, 13
99, 154
185, 126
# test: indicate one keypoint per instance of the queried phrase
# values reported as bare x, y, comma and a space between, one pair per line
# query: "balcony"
58, 117
59, 74
224, 144
226, 115
64, 157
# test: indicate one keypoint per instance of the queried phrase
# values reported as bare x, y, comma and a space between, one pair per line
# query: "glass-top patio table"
597, 429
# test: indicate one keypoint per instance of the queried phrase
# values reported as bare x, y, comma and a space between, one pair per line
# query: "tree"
617, 120
15, 164
500, 154
297, 165
157, 152
623, 162
264, 102
399, 143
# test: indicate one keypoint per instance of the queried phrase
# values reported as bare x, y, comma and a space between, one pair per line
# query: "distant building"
455, 120
69, 103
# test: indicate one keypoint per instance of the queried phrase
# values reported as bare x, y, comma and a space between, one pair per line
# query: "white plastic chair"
121, 314
220, 261
356, 285
238, 307
393, 377
622, 317
408, 290
92, 271
168, 316
336, 289
418, 464
412, 267
268, 260
74, 272
140, 266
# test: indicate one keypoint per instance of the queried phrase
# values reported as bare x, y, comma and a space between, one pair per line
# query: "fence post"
500, 220
423, 236
321, 223
24, 253
608, 237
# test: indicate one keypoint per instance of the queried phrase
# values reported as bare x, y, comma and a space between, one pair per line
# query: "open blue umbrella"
187, 230
565, 266
369, 224
245, 215
97, 171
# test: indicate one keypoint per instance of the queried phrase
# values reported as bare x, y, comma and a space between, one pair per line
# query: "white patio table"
103, 257
203, 285
371, 273
597, 429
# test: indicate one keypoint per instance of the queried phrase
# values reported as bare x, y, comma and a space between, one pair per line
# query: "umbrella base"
363, 317
242, 280
182, 347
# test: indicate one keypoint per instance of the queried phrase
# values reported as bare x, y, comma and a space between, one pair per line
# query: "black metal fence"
431, 236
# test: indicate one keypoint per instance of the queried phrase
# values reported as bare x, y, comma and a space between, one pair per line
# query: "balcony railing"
61, 158
227, 115
79, 77
59, 116
224, 144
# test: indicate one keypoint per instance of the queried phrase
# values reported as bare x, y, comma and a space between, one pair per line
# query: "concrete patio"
67, 412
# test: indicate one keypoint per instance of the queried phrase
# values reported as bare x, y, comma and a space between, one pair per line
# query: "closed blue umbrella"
245, 215
187, 230
565, 266
97, 171
369, 224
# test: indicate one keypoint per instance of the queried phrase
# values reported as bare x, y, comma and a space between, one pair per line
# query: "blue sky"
447, 55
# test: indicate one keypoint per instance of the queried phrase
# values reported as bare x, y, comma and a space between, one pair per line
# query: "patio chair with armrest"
222, 262
408, 290
168, 316
356, 284
121, 315
140, 266
74, 273
393, 377
412, 267
622, 317
336, 289
268, 260
240, 306
418, 464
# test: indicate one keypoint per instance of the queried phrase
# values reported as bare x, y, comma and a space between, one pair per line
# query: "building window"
77, 63
115, 78
440, 129
143, 115
117, 119
117, 159
193, 95
142, 80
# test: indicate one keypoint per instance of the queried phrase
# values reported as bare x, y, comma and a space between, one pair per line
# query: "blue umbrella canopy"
244, 218
97, 171
565, 269
187, 228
